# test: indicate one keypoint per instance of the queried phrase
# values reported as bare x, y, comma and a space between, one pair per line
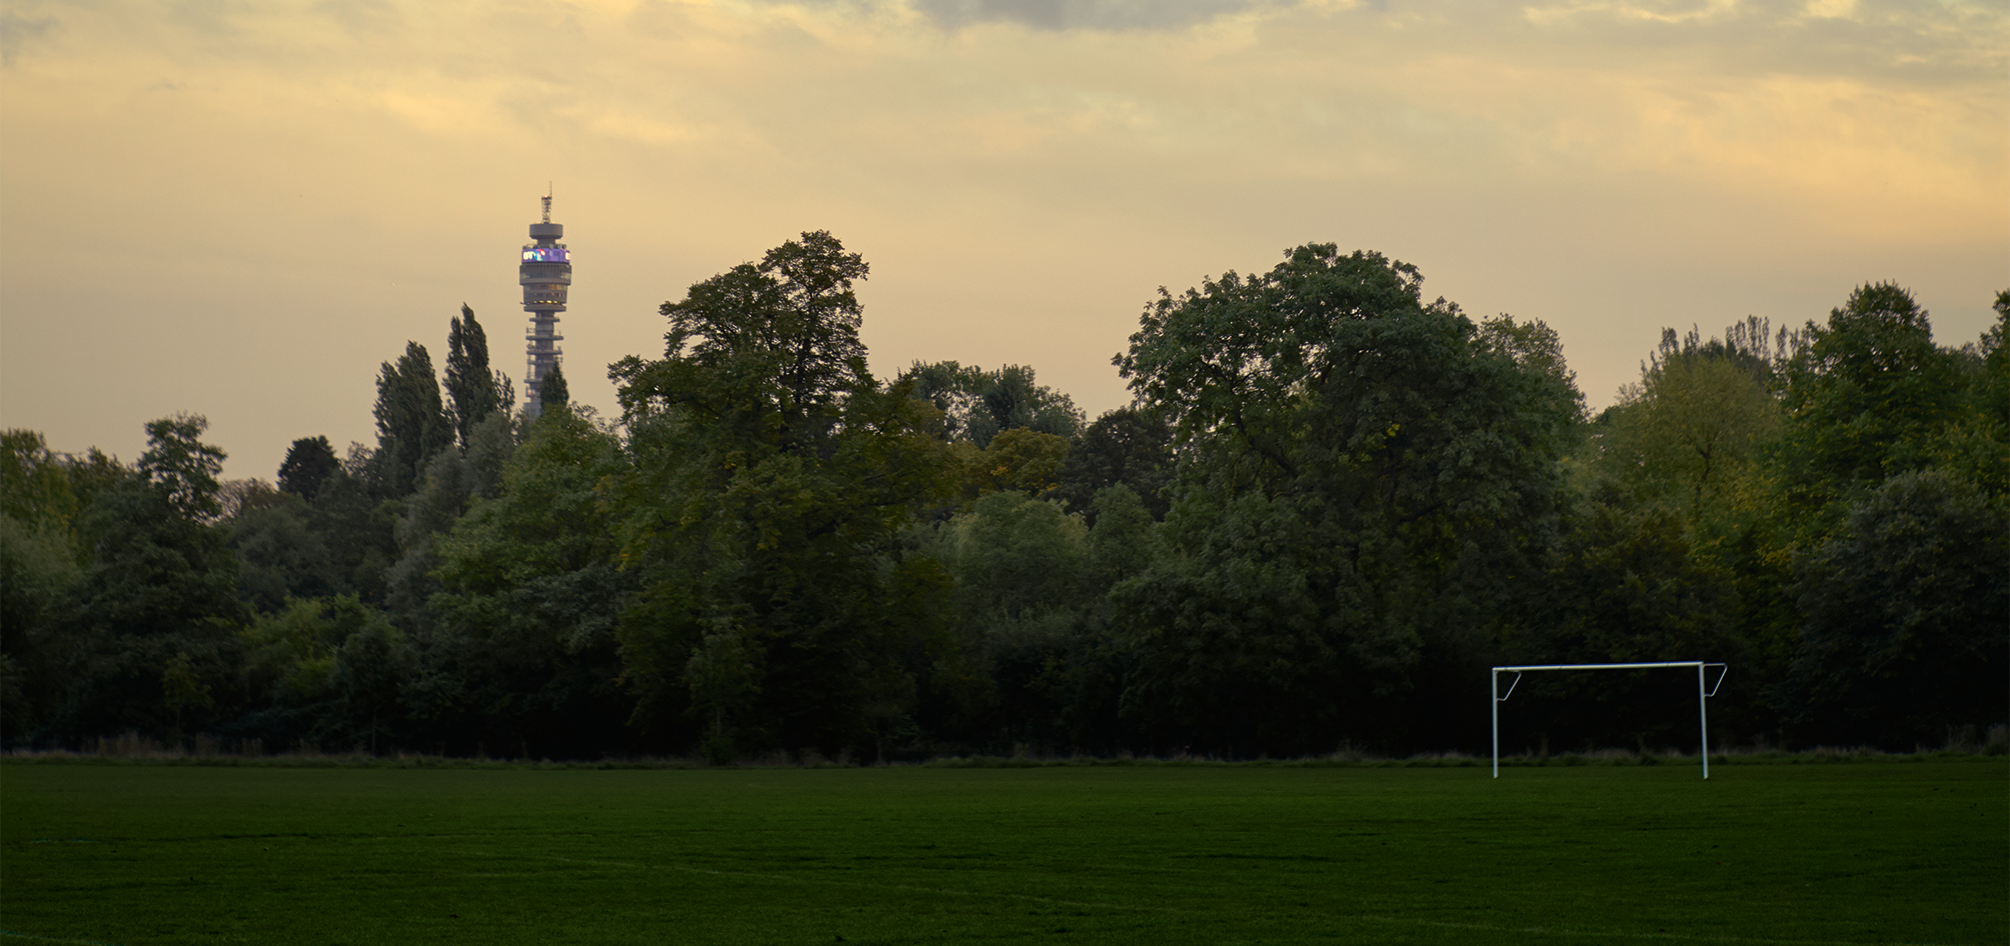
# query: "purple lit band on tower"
545, 274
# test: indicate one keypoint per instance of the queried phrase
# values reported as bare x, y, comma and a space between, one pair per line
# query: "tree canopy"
1331, 504
1366, 482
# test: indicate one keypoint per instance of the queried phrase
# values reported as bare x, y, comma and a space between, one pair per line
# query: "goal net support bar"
1703, 694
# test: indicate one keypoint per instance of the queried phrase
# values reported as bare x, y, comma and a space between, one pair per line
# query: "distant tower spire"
545, 274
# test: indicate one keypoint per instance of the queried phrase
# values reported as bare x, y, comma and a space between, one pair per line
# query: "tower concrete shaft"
545, 274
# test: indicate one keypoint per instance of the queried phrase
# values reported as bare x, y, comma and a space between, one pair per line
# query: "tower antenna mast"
545, 274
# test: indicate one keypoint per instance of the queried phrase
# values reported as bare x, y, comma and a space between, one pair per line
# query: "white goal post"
1702, 695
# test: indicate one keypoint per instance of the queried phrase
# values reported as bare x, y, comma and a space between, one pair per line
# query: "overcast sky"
241, 208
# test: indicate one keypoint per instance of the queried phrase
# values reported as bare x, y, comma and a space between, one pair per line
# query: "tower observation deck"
545, 274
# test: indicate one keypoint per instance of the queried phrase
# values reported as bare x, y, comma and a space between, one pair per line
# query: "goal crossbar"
1703, 694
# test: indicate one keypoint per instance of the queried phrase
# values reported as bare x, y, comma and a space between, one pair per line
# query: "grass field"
1846, 853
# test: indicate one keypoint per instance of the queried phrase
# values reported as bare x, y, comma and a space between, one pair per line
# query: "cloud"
213, 17
361, 17
1889, 41
1101, 15
16, 30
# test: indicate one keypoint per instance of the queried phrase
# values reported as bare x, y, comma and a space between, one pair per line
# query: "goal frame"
1702, 695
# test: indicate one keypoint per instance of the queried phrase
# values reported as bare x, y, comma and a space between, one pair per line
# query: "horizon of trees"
1330, 508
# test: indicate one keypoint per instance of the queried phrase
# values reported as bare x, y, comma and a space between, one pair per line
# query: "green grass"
141, 854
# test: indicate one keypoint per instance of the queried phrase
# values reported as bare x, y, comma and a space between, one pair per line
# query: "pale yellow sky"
240, 209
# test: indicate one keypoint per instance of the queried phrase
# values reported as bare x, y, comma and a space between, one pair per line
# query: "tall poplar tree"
412, 424
474, 391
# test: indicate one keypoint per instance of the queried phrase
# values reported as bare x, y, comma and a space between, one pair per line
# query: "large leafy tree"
1866, 396
302, 666
1695, 432
160, 589
769, 350
39, 568
979, 404
1977, 445
1629, 584
415, 464
1367, 484
282, 554
1905, 607
1128, 446
34, 483
358, 529
181, 468
1020, 459
1021, 593
1011, 398
1674, 546
1995, 389
524, 650
772, 479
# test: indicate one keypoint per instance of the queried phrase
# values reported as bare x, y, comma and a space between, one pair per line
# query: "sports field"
1834, 853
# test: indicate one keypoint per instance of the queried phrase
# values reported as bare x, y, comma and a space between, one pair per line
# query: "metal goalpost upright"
1702, 695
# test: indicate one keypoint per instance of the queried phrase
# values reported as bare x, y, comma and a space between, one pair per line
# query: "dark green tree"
818, 319
182, 468
1020, 459
1695, 433
779, 339
524, 651
553, 396
39, 571
34, 481
772, 479
1628, 585
1676, 545
359, 531
1128, 446
161, 582
281, 554
978, 405
1905, 609
474, 391
1866, 396
951, 389
308, 464
1010, 398
1019, 566
372, 670
184, 688
441, 498
289, 669
1995, 396
1369, 484
1977, 445
412, 424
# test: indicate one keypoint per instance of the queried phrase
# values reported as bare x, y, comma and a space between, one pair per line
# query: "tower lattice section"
545, 274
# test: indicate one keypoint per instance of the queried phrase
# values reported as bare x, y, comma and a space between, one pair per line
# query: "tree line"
1331, 506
